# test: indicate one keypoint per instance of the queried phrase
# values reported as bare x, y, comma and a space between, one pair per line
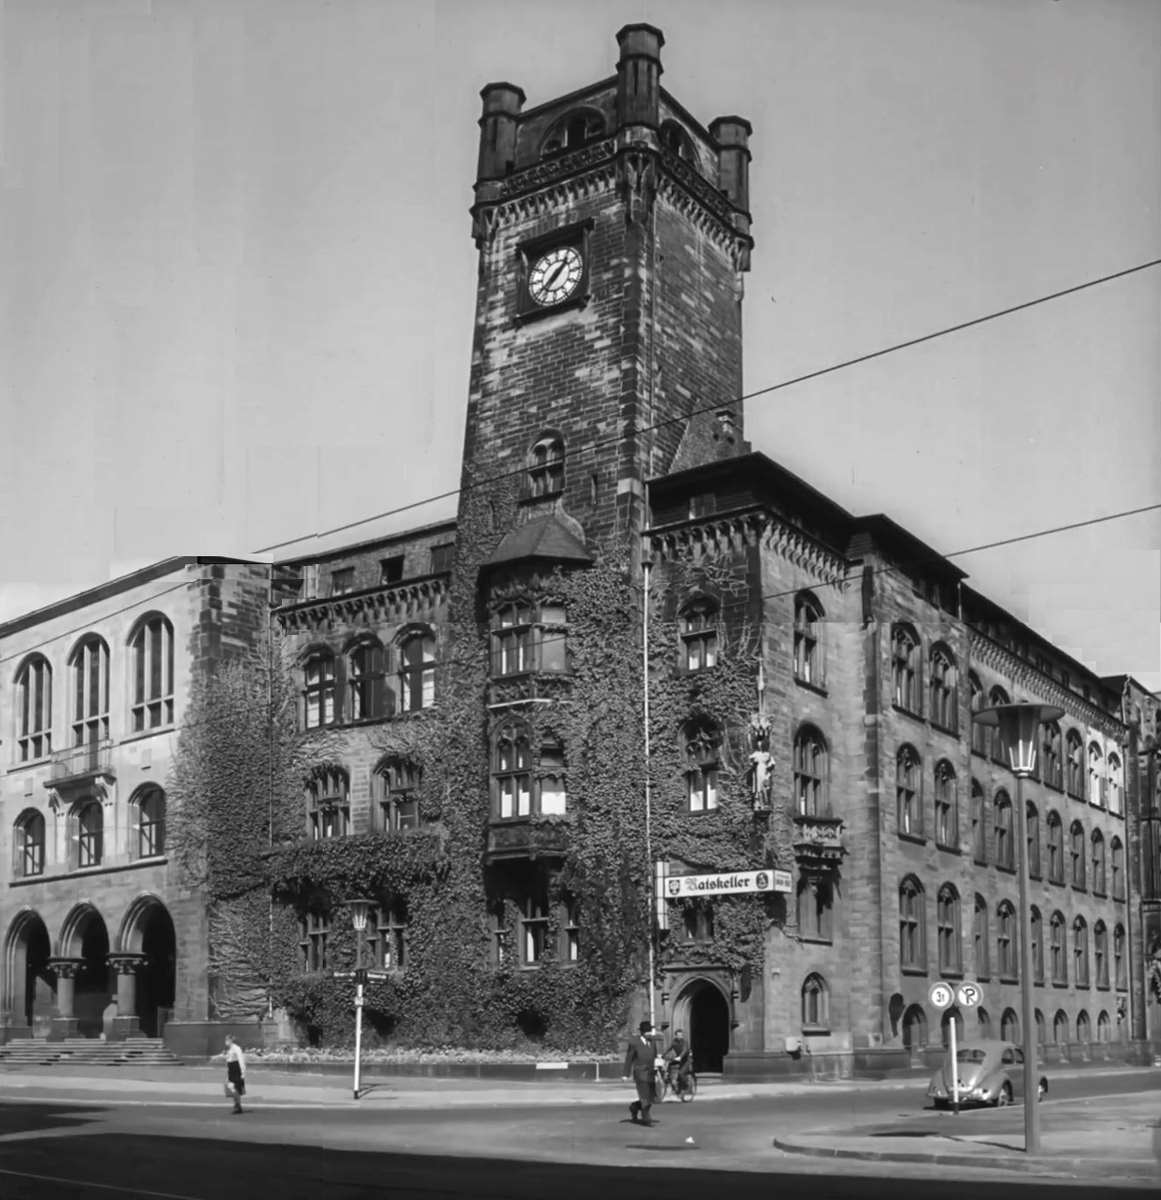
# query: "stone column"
126, 1023
64, 1021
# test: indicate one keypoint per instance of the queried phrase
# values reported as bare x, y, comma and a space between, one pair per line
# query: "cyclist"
678, 1059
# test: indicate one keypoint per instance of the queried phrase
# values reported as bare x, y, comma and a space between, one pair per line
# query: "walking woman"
235, 1072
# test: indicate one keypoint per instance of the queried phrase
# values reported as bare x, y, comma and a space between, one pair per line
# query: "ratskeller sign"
729, 881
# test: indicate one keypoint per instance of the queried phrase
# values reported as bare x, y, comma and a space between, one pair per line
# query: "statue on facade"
761, 761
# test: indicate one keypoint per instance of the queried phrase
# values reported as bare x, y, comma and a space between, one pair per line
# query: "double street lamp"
360, 911
1018, 726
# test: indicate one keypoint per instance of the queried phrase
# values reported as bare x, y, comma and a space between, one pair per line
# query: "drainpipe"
648, 794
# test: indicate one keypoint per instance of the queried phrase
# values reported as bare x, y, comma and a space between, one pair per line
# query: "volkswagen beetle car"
989, 1072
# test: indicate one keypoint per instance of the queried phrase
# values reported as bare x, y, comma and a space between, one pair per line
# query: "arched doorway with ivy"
702, 1010
29, 985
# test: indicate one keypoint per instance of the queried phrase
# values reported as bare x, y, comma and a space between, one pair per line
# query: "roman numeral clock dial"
555, 275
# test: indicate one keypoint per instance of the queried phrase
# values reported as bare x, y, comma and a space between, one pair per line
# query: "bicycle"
683, 1086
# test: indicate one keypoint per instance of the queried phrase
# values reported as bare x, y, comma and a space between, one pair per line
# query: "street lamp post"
360, 910
1018, 726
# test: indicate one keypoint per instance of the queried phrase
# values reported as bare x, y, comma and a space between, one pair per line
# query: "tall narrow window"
980, 938
90, 670
815, 1003
807, 639
1099, 880
149, 816
699, 635
366, 694
908, 795
1074, 764
810, 772
1100, 953
1096, 776
534, 929
1080, 952
417, 672
328, 800
999, 750
1056, 949
1037, 944
978, 701
546, 467
28, 845
1006, 940
34, 709
946, 809
315, 932
1002, 815
911, 925
979, 825
944, 710
905, 668
151, 651
1119, 967
1076, 855
387, 945
1055, 848
318, 691
1053, 770
513, 773
1118, 857
947, 923
1116, 786
815, 909
88, 833
398, 780
552, 792
697, 919
702, 752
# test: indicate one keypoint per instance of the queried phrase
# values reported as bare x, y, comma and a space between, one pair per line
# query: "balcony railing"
818, 845
528, 837
79, 763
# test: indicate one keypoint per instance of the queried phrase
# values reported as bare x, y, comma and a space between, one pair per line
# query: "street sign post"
969, 995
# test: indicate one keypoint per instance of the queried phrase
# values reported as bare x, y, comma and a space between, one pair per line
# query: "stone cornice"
1042, 687
384, 604
749, 527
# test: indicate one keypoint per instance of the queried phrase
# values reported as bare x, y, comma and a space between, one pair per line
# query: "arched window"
397, 784
1096, 775
89, 665
978, 701
1041, 1029
1118, 857
815, 905
676, 141
366, 693
1104, 1027
328, 803
1076, 850
87, 833
1002, 828
417, 671
1099, 880
1119, 972
1055, 848
946, 806
1053, 771
1009, 1025
980, 939
512, 772
999, 749
914, 1028
148, 814
1080, 952
699, 635
808, 644
947, 920
1116, 790
1037, 943
1083, 1030
1006, 941
1074, 764
318, 691
1060, 1027
1056, 949
34, 709
912, 952
810, 773
151, 670
949, 1015
984, 1022
574, 130
815, 1003
908, 792
979, 825
1032, 831
546, 466
28, 845
1100, 953
702, 756
905, 668
943, 689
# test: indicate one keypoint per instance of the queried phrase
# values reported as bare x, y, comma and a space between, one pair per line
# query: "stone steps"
33, 1052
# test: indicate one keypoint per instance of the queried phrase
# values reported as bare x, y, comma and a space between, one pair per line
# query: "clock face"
555, 275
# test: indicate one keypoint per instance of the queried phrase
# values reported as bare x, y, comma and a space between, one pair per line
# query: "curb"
1107, 1168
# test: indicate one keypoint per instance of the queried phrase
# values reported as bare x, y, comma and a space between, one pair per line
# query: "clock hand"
554, 275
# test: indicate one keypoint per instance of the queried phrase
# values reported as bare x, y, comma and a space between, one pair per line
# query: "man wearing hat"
641, 1062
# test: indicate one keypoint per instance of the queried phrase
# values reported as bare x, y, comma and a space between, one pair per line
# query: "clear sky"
237, 278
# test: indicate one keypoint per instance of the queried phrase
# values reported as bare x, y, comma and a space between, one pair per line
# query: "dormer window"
573, 131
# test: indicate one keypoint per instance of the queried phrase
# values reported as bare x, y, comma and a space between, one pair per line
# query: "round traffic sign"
941, 994
968, 995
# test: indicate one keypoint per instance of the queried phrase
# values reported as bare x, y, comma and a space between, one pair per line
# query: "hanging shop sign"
728, 881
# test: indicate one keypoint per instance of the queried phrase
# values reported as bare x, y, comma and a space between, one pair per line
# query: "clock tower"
613, 233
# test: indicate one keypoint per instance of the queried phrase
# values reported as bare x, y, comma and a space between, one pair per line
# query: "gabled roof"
544, 537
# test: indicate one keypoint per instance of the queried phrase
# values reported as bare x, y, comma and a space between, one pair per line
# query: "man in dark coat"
641, 1062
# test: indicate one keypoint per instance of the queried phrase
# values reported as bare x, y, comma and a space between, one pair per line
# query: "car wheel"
1042, 1089
1004, 1096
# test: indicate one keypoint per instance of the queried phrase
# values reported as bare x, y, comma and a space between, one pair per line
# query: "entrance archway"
31, 988
85, 937
704, 1013
148, 930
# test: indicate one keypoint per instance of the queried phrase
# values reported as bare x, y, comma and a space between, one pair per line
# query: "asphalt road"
50, 1151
